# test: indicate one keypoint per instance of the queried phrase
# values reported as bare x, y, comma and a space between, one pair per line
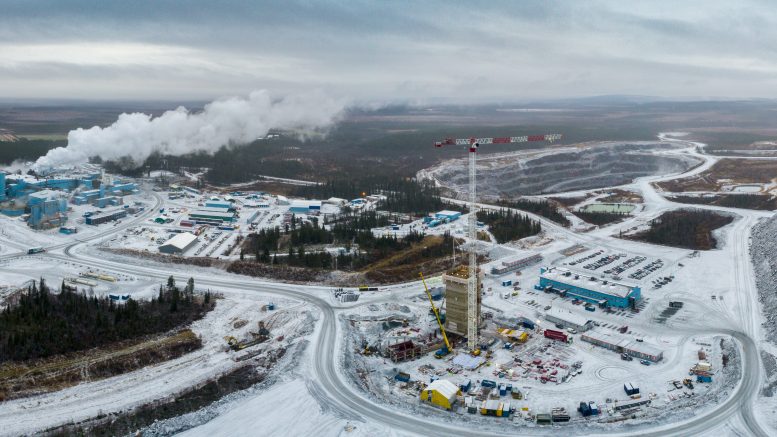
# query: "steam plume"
222, 122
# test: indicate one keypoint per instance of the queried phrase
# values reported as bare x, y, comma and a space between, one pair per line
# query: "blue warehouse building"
305, 207
447, 215
47, 209
588, 288
218, 204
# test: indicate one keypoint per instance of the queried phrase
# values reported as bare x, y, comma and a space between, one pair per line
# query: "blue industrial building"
108, 201
305, 207
46, 199
588, 288
447, 215
218, 204
47, 209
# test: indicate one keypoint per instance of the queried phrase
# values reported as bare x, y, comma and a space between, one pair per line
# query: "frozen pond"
609, 207
747, 188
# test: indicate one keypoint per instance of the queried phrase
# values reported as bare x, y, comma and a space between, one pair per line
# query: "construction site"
576, 340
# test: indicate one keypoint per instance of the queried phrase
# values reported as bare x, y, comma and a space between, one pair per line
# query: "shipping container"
630, 389
555, 335
488, 383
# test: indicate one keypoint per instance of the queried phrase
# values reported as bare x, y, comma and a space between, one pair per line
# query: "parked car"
644, 362
626, 357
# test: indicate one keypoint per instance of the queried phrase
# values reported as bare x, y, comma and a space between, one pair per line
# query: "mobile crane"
443, 351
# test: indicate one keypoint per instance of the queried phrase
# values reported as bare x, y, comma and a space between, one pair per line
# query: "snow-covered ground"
324, 386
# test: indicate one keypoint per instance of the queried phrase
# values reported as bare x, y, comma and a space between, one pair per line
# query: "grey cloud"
401, 49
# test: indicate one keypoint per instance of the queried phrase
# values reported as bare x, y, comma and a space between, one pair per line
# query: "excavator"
445, 350
258, 337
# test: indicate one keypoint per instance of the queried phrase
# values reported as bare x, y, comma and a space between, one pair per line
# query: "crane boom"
472, 278
436, 314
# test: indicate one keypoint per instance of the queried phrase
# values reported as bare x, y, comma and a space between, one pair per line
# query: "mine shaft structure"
472, 279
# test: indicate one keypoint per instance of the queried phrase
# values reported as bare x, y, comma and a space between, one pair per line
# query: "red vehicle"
555, 335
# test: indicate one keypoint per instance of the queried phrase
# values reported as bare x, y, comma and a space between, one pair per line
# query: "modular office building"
588, 288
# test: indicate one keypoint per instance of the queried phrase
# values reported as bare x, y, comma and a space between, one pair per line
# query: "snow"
445, 388
181, 240
717, 287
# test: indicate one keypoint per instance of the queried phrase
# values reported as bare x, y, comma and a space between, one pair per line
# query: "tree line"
26, 150
352, 231
690, 229
540, 207
403, 195
45, 323
505, 225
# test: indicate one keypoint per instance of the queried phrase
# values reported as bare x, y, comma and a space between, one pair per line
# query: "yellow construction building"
441, 393
456, 299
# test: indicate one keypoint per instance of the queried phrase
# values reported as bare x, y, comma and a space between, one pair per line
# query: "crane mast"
472, 279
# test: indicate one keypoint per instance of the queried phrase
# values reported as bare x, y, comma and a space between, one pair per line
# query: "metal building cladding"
568, 319
588, 288
211, 215
441, 393
623, 346
106, 217
179, 243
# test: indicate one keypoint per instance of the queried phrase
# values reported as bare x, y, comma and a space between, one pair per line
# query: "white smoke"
222, 122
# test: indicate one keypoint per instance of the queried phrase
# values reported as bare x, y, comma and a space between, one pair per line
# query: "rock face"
763, 252
594, 167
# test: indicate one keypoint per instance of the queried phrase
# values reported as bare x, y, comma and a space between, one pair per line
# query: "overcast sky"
379, 51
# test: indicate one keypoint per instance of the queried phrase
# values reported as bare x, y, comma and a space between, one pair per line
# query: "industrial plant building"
106, 217
48, 209
456, 301
46, 199
447, 215
622, 345
568, 319
218, 204
215, 216
509, 266
179, 243
588, 288
305, 207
